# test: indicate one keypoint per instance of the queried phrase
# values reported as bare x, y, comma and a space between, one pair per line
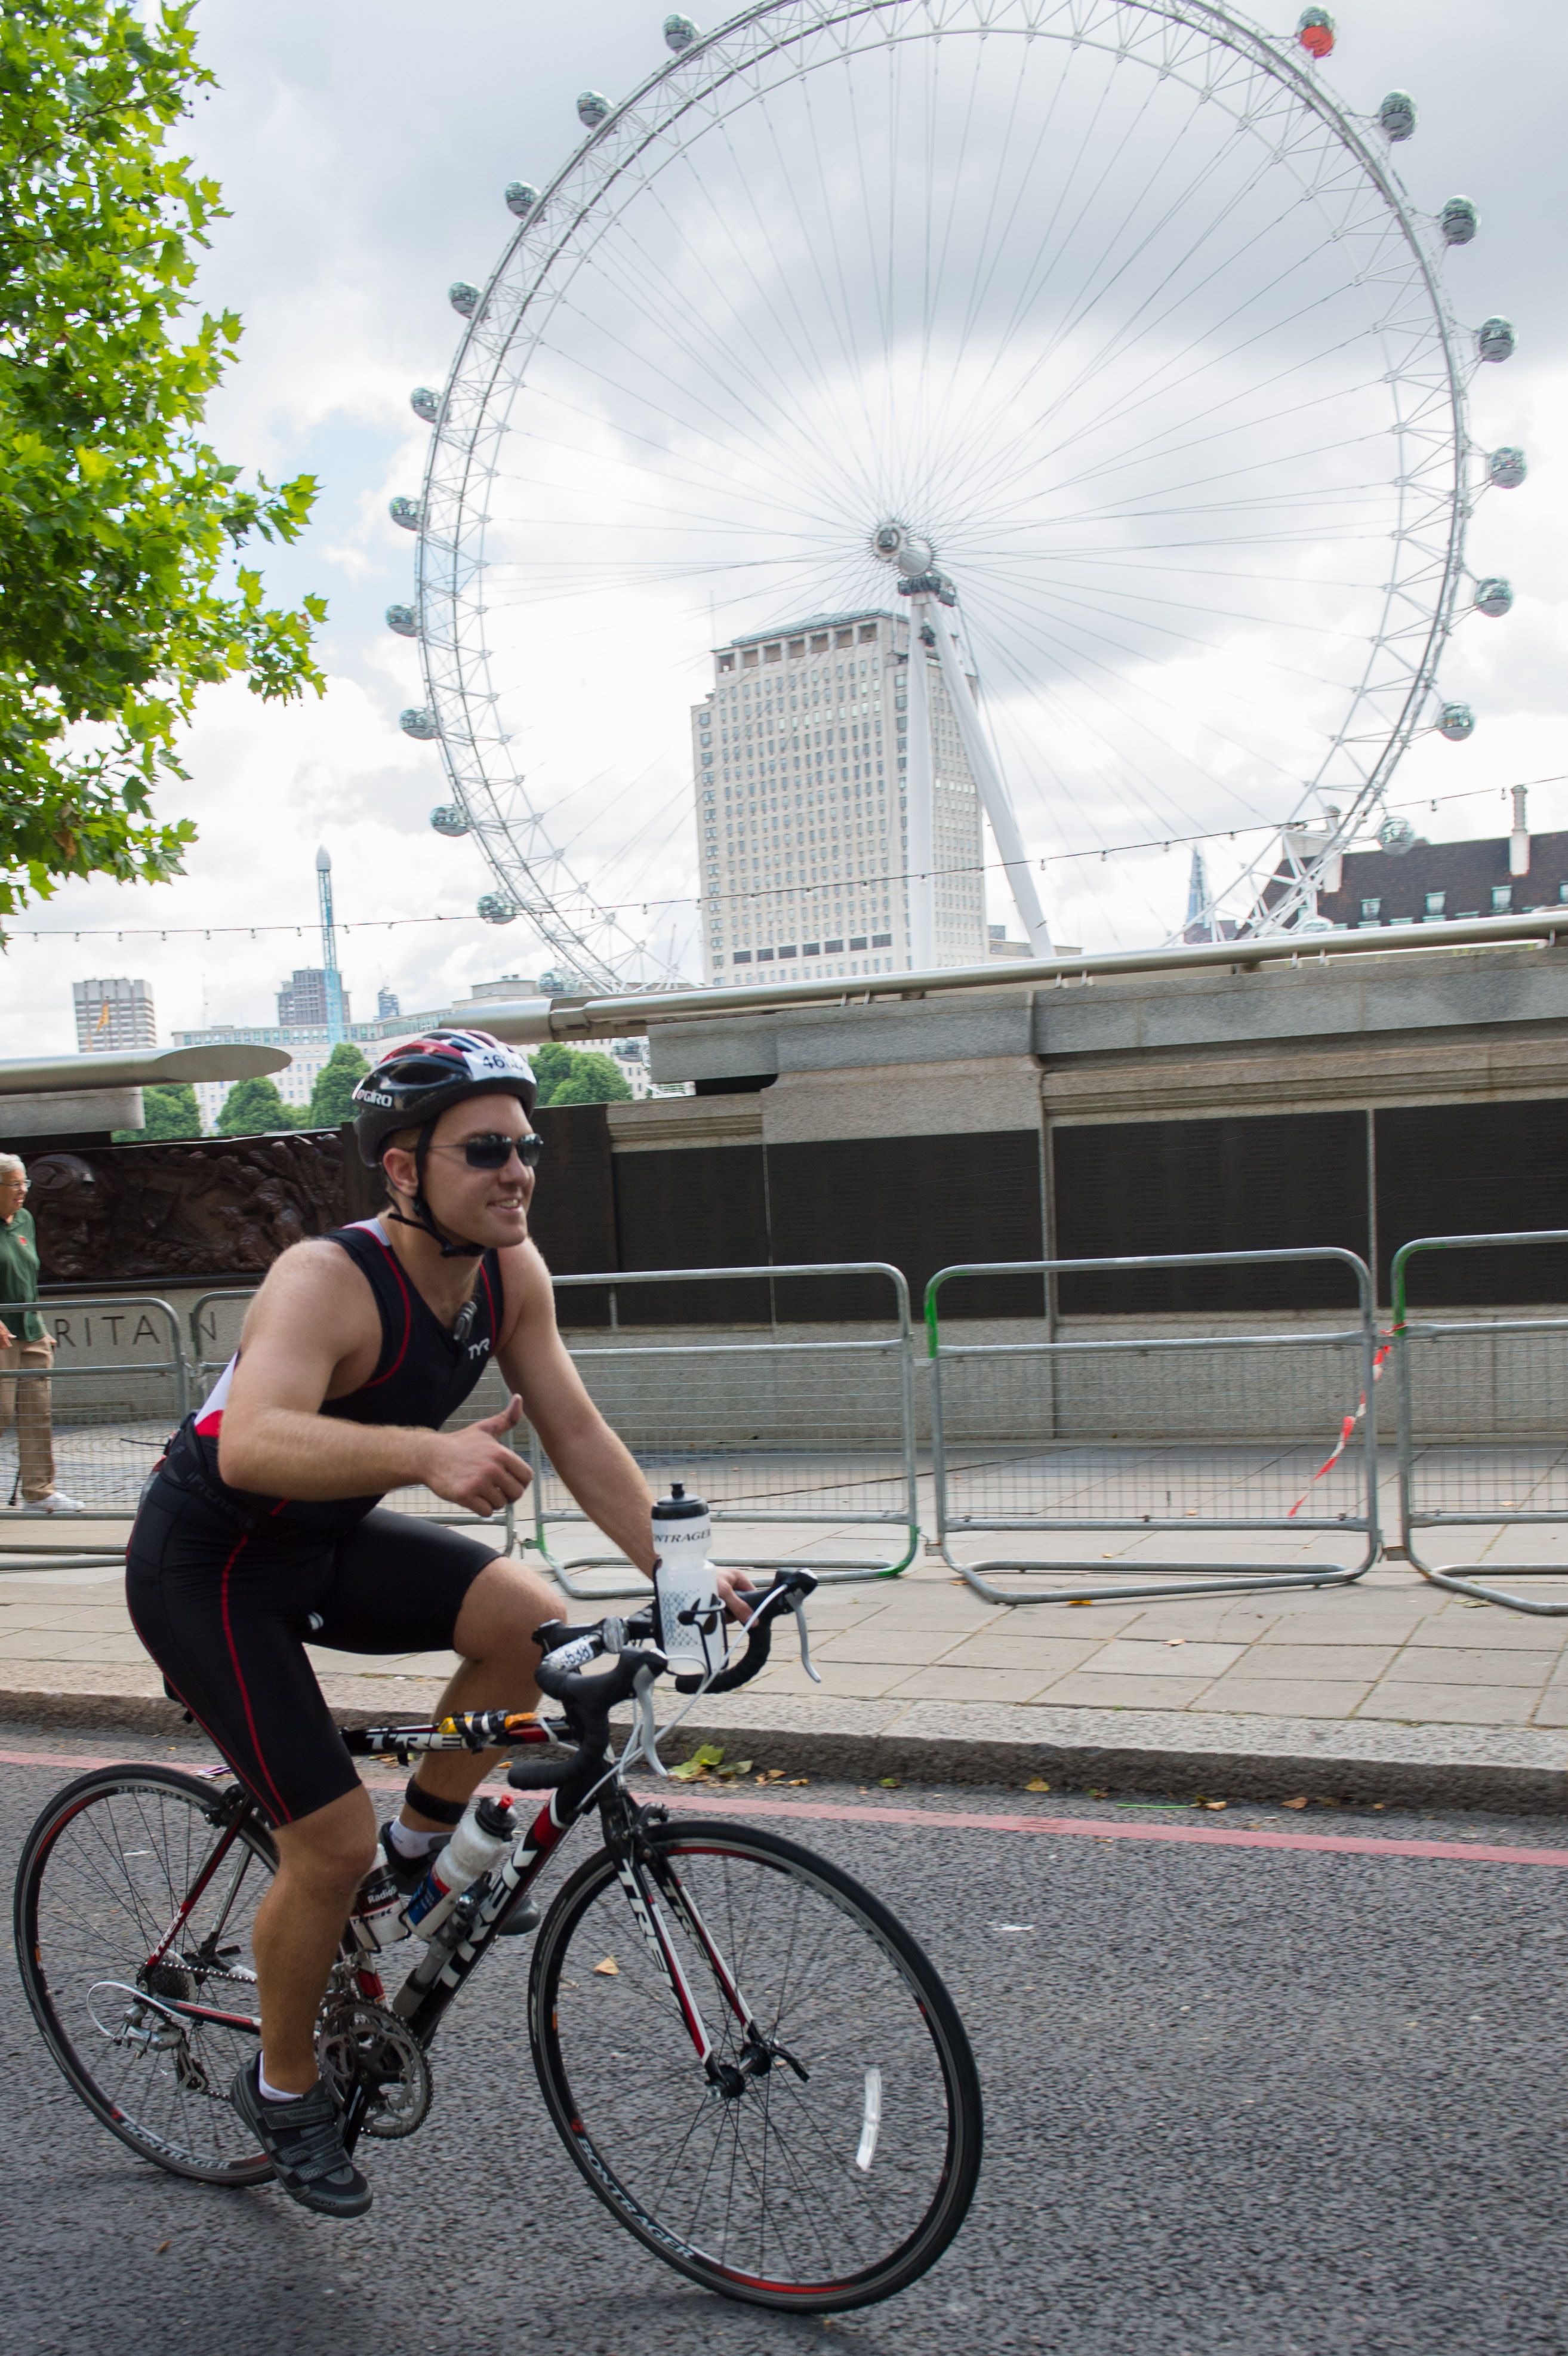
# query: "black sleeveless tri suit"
226, 1588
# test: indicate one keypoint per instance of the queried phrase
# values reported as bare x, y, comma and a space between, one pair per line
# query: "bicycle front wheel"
826, 2153
134, 1901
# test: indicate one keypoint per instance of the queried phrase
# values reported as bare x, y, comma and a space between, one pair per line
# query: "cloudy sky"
363, 150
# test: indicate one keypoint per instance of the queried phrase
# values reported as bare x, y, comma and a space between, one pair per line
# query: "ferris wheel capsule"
404, 619
1494, 596
679, 33
592, 109
1458, 222
447, 818
497, 909
1455, 721
1495, 339
521, 197
463, 298
1315, 31
425, 403
420, 720
1395, 837
410, 513
1507, 467
1396, 117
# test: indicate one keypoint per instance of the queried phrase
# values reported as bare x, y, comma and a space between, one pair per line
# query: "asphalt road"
1239, 2099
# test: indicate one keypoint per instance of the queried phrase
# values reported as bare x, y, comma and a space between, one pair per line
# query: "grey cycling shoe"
304, 2140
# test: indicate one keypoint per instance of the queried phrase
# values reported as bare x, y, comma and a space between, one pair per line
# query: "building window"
1371, 911
741, 956
1435, 903
1503, 899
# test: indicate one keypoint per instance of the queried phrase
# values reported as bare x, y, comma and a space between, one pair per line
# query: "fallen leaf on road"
609, 1969
796, 1782
1294, 1803
888, 1782
1039, 1783
161, 2248
1201, 1803
1174, 1640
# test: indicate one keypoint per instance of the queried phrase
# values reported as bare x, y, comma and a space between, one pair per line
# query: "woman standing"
26, 1358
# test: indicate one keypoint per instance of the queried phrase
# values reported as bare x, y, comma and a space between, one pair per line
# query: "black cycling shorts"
226, 1616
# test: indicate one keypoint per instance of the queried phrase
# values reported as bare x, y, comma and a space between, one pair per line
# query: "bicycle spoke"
127, 1892
767, 2167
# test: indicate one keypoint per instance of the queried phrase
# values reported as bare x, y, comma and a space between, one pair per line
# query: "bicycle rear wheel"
130, 1996
831, 2155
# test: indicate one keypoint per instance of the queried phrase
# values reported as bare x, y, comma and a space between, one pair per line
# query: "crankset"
362, 2045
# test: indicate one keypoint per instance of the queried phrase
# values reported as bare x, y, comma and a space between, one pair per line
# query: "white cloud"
363, 151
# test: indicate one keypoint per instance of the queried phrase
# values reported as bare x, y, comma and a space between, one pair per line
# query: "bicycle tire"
85, 1923
617, 2068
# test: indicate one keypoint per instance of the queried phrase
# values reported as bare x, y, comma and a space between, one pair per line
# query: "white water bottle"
479, 1841
691, 1613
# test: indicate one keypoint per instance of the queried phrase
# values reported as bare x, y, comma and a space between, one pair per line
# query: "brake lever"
797, 1605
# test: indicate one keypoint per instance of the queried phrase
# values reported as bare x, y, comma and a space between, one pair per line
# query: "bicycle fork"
760, 2053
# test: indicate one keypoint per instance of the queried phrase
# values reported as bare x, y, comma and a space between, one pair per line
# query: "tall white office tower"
800, 761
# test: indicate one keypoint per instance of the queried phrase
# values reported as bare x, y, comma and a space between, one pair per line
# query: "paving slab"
1389, 1687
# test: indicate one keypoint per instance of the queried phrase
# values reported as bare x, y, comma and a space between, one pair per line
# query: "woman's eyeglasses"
495, 1152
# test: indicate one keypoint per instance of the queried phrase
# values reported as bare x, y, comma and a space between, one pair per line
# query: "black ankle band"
440, 1811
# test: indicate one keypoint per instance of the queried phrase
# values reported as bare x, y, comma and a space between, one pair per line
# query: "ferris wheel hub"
893, 542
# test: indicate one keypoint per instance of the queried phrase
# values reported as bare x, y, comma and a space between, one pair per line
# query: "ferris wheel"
1109, 308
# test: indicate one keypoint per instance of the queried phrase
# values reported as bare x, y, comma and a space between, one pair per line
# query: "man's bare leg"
323, 1859
495, 1635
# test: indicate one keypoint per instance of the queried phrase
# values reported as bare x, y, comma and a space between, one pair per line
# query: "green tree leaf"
168, 1110
569, 1075
119, 593
332, 1097
252, 1108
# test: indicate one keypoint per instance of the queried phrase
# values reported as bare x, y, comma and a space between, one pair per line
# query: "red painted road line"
954, 1820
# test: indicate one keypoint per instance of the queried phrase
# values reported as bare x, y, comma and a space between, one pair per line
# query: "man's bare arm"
313, 1315
598, 1470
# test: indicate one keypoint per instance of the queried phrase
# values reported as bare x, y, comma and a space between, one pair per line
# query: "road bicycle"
753, 2064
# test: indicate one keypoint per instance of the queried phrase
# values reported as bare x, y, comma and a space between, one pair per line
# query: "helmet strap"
451, 1247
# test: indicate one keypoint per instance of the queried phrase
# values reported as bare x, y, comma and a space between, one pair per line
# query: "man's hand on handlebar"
474, 1468
739, 1590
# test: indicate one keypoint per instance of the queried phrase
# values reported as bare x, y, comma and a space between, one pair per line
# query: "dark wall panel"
572, 1215
1265, 1183
1451, 1170
692, 1206
922, 1202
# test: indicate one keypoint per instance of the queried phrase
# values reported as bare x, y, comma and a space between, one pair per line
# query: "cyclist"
262, 1529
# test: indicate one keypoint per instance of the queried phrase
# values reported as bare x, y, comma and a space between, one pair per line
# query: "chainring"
361, 2044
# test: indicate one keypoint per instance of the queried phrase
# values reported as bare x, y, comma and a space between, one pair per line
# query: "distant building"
304, 1002
1438, 882
999, 946
799, 762
387, 1004
113, 1016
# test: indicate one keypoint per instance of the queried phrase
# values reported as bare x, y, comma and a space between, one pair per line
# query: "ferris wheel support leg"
922, 854
994, 795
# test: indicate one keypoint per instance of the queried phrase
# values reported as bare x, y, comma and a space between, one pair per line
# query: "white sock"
409, 1843
273, 2094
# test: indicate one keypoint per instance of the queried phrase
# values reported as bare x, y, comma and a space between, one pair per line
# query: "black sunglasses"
495, 1152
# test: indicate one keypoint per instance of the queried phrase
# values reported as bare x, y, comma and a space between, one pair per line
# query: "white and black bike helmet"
415, 1084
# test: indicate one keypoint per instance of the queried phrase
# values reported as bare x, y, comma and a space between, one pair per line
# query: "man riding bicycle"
262, 1529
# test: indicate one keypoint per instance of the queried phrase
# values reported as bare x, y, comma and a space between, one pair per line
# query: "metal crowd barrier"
1142, 1431
790, 1429
1483, 1424
213, 1346
107, 1423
